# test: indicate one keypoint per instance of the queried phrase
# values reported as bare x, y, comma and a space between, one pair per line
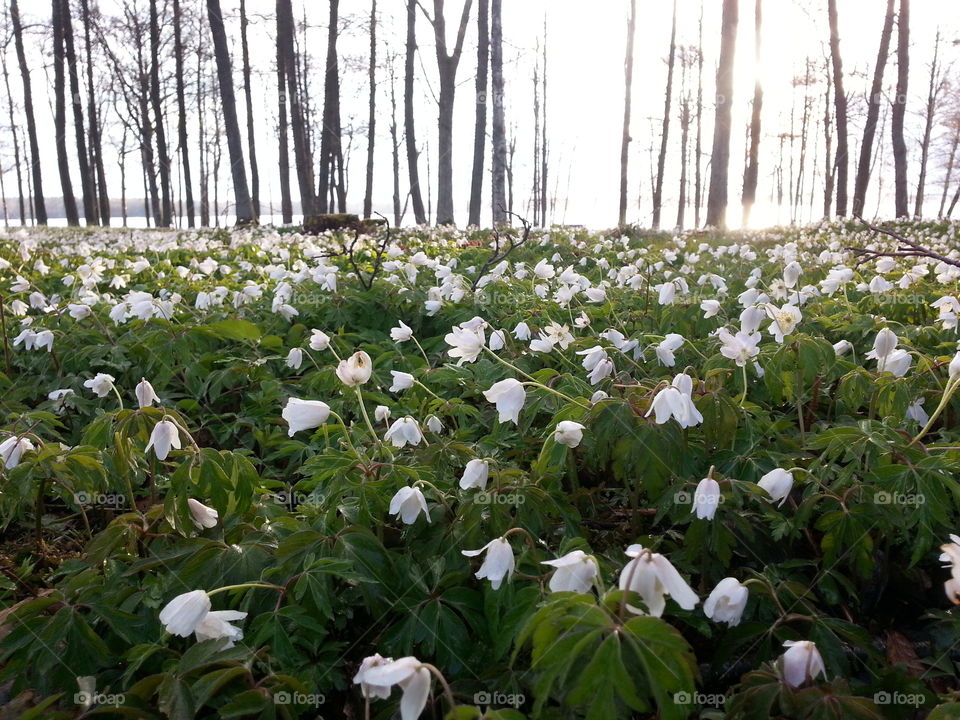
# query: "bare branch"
908, 248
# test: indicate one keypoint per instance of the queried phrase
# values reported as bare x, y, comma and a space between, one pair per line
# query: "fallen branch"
497, 256
907, 248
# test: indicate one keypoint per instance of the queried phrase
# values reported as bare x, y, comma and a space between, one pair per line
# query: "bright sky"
585, 97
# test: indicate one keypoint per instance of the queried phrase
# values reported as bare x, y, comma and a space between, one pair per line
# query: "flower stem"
952, 384
225, 588
366, 418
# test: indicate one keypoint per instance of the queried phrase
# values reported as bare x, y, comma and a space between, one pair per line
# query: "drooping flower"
706, 498
216, 625
666, 348
575, 572
165, 436
294, 358
183, 615
404, 431
801, 663
498, 563
101, 384
409, 674
372, 691
777, 483
568, 433
676, 401
12, 449
203, 516
509, 396
319, 340
475, 474
401, 333
145, 393
727, 602
401, 381
355, 370
951, 556
408, 503
304, 414
653, 577
381, 413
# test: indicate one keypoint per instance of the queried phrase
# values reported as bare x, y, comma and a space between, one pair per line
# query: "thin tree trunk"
95, 138
16, 141
684, 141
829, 172
840, 110
331, 159
543, 129
720, 159
873, 114
60, 119
248, 97
286, 204
499, 140
480, 118
244, 211
163, 156
408, 118
665, 132
900, 109
753, 170
372, 116
627, 94
951, 160
182, 112
87, 182
932, 93
303, 157
39, 204
395, 149
698, 146
447, 63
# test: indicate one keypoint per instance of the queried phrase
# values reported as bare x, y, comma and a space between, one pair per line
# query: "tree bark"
753, 169
447, 63
248, 97
286, 204
244, 210
182, 112
698, 146
87, 181
720, 160
840, 110
499, 139
372, 116
627, 94
163, 155
303, 157
330, 190
416, 196
665, 132
16, 141
932, 92
60, 116
95, 136
39, 204
900, 109
482, 101
873, 114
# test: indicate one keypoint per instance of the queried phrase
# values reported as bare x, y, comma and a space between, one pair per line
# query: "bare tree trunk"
720, 159
951, 161
543, 129
303, 157
684, 140
840, 110
665, 132
413, 153
16, 142
932, 93
447, 63
248, 96
182, 111
331, 157
698, 147
499, 140
512, 149
953, 203
535, 194
202, 138
394, 147
286, 204
60, 119
163, 157
900, 109
753, 170
39, 204
146, 136
372, 117
480, 121
627, 94
873, 114
95, 137
244, 211
829, 172
123, 177
87, 181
